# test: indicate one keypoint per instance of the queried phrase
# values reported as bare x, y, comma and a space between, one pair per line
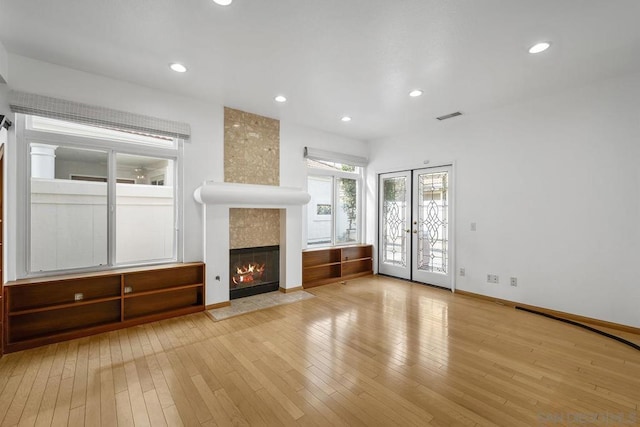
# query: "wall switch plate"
462, 272
79, 296
473, 226
514, 281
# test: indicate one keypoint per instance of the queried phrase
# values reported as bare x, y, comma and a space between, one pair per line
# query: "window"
333, 214
96, 197
323, 209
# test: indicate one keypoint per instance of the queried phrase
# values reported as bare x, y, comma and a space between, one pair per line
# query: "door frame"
452, 206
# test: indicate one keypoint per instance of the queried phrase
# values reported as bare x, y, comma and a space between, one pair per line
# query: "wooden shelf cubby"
45, 310
328, 265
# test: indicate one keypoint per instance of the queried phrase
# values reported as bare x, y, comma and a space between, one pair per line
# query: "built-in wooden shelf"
328, 265
45, 310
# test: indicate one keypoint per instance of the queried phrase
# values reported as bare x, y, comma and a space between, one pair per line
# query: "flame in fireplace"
248, 273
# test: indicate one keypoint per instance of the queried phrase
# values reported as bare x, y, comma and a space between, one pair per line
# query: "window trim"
25, 137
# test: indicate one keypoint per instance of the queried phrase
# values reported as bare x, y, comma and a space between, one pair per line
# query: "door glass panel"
394, 206
433, 222
346, 215
68, 207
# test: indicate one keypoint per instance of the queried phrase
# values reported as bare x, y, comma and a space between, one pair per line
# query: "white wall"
65, 168
4, 65
8, 233
554, 187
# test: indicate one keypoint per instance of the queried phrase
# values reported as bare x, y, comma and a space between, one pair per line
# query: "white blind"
330, 156
38, 105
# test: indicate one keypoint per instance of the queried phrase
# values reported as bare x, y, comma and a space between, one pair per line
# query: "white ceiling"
336, 57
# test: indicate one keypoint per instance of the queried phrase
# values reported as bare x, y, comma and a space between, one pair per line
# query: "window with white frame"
96, 197
335, 210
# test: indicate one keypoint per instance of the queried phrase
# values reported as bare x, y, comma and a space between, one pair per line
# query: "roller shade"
44, 106
330, 156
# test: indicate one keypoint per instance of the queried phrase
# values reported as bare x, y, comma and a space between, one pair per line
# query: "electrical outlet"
462, 272
493, 278
78, 296
128, 289
489, 278
514, 281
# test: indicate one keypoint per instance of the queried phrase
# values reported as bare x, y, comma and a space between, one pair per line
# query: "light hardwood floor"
375, 351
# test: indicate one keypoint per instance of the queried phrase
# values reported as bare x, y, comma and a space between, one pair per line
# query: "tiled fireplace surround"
251, 156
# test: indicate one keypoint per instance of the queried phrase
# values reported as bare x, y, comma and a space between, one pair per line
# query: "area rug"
258, 302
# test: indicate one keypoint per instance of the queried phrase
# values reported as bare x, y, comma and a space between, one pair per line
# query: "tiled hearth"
258, 302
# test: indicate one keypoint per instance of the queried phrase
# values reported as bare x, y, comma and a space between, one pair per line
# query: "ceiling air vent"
448, 116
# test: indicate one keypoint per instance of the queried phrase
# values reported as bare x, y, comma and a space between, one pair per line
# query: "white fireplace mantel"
216, 199
250, 195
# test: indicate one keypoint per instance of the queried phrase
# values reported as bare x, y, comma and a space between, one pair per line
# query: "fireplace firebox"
254, 271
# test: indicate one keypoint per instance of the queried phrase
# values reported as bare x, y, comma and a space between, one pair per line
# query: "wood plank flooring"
376, 351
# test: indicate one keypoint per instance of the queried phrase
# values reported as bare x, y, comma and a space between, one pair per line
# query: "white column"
291, 248
217, 253
43, 161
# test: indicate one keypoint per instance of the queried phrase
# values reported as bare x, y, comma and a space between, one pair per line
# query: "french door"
416, 225
395, 225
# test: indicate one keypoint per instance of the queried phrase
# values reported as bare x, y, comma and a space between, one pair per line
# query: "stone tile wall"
252, 156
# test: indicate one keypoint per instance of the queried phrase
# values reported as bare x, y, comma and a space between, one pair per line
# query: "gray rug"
258, 302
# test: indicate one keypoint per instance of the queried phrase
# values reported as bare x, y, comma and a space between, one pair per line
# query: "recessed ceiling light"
539, 47
178, 68
223, 2
346, 119
415, 93
280, 98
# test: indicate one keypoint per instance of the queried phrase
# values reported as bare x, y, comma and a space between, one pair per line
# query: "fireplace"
254, 271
